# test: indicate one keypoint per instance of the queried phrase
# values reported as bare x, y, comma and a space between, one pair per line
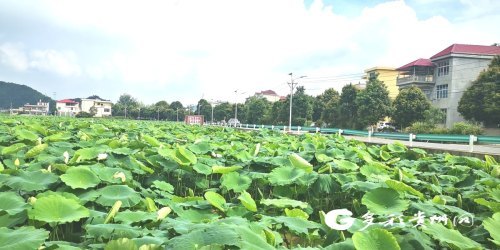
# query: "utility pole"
158, 113
292, 85
125, 112
177, 114
236, 103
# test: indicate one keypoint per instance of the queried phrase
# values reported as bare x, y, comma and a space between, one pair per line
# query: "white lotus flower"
31, 200
66, 157
120, 175
216, 155
101, 157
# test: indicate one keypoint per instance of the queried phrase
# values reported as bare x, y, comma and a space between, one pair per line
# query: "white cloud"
63, 63
185, 49
12, 55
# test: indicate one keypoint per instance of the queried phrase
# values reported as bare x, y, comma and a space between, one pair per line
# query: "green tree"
178, 111
329, 102
302, 109
223, 112
125, 105
409, 106
434, 116
163, 111
273, 117
373, 103
204, 108
242, 112
481, 101
348, 107
256, 109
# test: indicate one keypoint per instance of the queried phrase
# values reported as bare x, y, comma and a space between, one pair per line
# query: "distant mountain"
18, 95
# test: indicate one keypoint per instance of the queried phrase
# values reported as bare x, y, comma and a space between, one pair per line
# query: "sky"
224, 50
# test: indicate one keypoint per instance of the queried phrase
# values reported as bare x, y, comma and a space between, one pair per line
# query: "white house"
270, 95
40, 108
67, 107
101, 107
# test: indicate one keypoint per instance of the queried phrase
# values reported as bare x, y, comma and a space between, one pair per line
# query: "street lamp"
236, 103
292, 85
213, 105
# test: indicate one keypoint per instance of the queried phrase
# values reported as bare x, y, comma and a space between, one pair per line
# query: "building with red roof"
270, 95
93, 104
445, 76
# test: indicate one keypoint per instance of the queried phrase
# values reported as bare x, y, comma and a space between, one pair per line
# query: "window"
443, 68
372, 75
442, 91
107, 110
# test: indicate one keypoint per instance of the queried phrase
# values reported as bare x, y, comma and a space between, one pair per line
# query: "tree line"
352, 108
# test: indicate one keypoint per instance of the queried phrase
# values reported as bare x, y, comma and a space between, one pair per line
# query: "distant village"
93, 106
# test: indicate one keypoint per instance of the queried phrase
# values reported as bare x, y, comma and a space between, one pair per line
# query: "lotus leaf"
86, 154
346, 165
121, 244
216, 200
224, 170
110, 194
12, 149
108, 231
24, 134
36, 150
164, 186
236, 182
56, 208
400, 186
493, 227
200, 148
247, 201
301, 163
284, 202
185, 157
450, 236
202, 168
31, 181
80, 177
11, 203
296, 213
384, 201
129, 217
296, 224
216, 235
22, 238
285, 175
375, 239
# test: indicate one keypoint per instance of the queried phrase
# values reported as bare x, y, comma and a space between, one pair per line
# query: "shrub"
466, 128
440, 130
84, 114
420, 128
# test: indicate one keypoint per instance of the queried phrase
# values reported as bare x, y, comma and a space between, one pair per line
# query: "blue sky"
183, 50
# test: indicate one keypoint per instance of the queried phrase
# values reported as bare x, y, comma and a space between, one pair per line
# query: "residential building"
93, 104
67, 107
270, 95
40, 108
388, 76
99, 106
447, 75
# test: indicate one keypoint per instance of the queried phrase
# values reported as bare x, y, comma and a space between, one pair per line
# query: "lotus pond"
116, 184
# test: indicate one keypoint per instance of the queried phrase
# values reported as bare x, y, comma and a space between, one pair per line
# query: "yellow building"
386, 75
